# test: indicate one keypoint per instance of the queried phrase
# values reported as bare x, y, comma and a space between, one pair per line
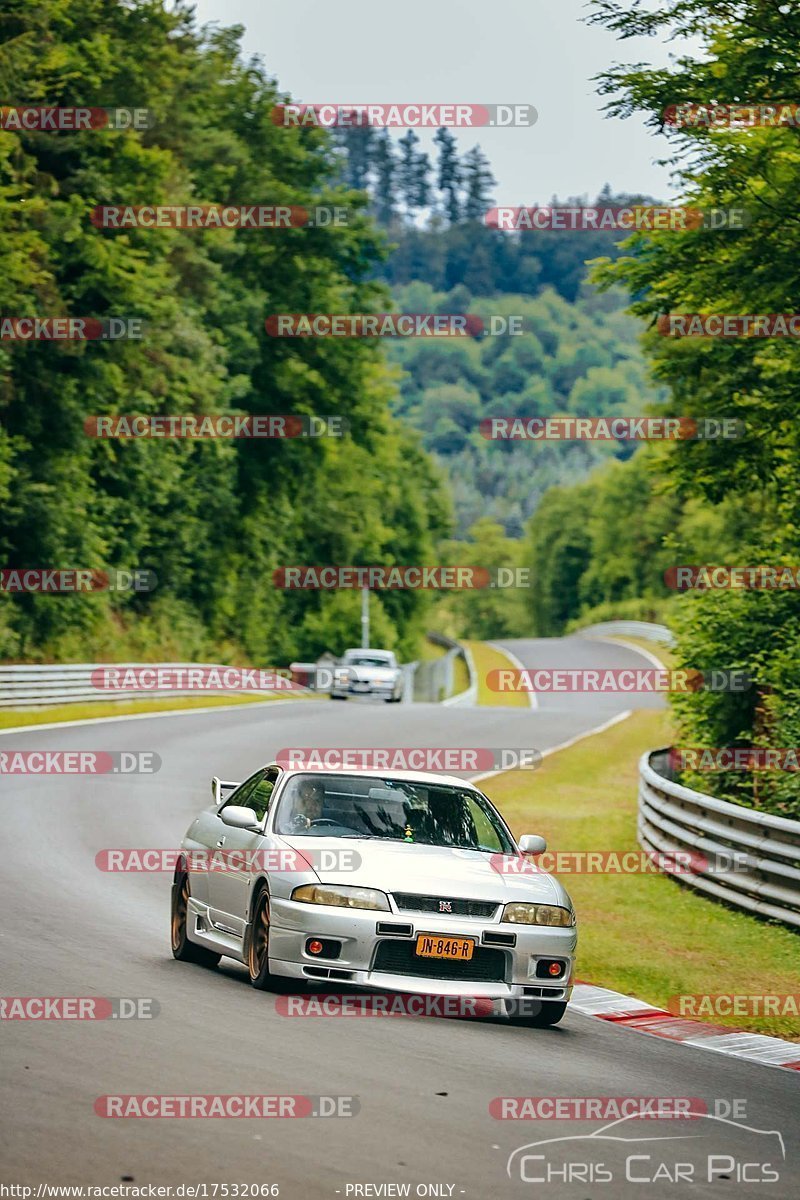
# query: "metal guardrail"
455, 650
434, 678
640, 629
761, 851
26, 685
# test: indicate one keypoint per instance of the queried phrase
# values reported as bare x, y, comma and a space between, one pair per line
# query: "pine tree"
422, 183
385, 184
413, 174
357, 141
478, 183
449, 174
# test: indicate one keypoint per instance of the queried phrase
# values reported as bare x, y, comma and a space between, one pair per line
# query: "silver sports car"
404, 882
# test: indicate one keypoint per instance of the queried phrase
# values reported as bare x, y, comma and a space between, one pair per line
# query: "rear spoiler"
221, 789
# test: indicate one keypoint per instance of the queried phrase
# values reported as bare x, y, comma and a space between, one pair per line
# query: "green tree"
448, 179
478, 183
412, 173
385, 166
738, 52
212, 519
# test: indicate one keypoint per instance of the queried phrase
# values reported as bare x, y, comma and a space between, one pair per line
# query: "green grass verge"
486, 659
644, 934
10, 718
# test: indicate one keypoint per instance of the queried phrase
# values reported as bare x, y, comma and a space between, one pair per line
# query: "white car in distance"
368, 672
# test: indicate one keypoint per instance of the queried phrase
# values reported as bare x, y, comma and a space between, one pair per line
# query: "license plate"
430, 945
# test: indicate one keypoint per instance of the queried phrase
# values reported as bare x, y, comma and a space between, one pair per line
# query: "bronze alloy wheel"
258, 945
182, 948
179, 912
259, 941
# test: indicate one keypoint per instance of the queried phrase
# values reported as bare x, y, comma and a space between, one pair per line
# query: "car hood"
432, 871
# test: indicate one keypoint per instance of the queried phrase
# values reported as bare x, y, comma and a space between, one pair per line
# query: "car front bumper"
366, 688
365, 961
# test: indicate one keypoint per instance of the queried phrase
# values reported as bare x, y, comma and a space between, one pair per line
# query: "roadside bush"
759, 632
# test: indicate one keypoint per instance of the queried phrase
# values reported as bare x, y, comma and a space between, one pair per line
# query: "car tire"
258, 944
549, 1013
182, 948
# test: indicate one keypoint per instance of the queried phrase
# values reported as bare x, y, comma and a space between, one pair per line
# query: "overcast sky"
518, 51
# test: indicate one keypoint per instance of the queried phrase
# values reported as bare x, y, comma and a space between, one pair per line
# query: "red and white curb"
642, 1017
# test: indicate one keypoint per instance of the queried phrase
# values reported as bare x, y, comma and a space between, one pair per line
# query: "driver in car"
308, 803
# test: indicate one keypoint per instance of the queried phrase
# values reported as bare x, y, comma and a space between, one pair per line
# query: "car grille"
409, 902
398, 958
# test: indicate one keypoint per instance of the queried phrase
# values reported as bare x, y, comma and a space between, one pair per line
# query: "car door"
208, 834
200, 840
229, 881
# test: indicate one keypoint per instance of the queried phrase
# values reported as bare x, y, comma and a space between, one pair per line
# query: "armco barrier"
763, 851
641, 629
25, 685
441, 672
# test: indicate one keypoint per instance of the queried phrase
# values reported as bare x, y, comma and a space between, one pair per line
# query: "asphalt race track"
423, 1085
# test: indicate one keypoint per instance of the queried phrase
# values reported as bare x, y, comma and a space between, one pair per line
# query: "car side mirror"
239, 818
532, 843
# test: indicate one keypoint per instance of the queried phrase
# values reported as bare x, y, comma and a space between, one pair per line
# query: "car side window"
261, 795
243, 794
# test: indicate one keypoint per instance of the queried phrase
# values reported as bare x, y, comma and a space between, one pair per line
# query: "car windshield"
395, 810
367, 660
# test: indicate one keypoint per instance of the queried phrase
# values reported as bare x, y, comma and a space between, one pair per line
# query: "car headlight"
341, 897
538, 914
